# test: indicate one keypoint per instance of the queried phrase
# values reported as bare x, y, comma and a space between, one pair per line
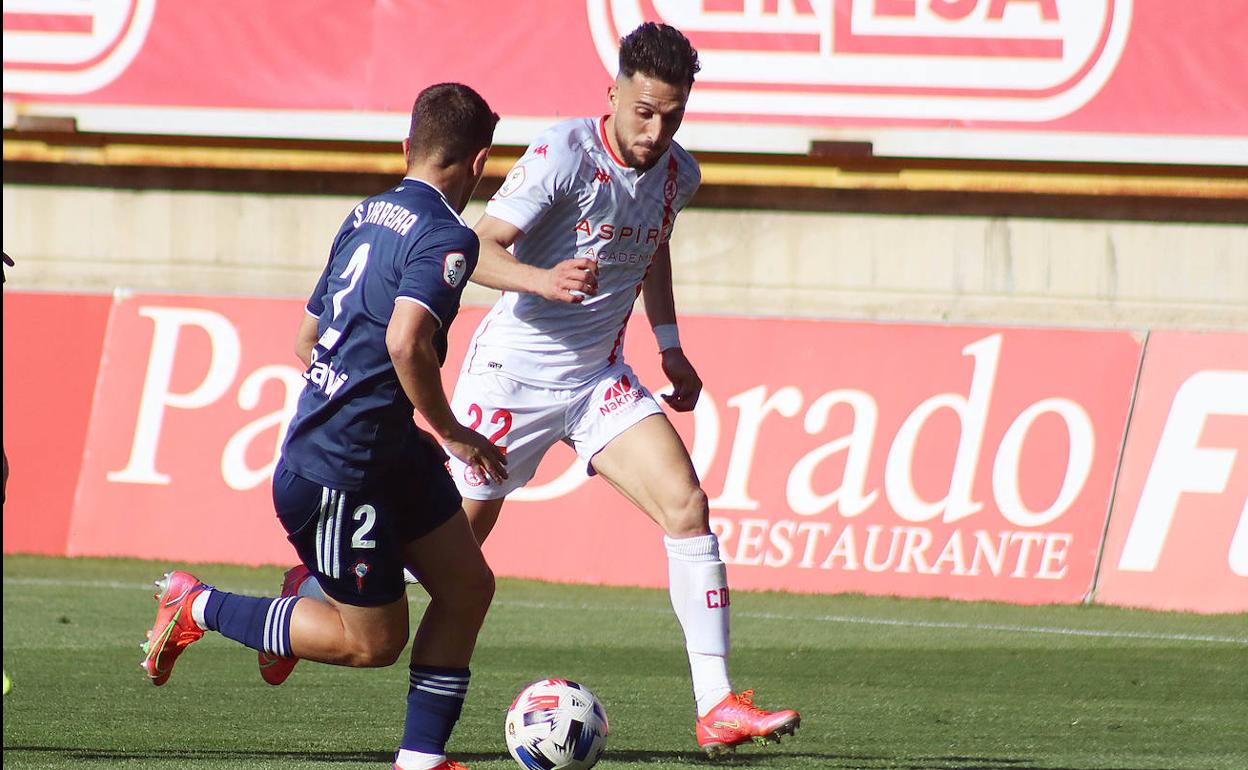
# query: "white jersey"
571, 197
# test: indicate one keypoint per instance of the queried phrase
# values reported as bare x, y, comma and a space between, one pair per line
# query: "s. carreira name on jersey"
385, 214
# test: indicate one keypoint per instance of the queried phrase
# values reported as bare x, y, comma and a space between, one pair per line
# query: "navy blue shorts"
353, 540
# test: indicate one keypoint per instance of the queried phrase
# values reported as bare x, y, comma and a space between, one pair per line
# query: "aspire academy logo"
71, 48
1015, 60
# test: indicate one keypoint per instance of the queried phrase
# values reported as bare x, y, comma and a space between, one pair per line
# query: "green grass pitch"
881, 683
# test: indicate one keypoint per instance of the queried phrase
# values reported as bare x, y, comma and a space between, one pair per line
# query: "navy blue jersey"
354, 420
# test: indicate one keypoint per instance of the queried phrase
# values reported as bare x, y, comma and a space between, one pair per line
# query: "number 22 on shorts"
500, 417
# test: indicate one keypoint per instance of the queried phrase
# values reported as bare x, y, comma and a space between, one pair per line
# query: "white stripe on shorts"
329, 532
320, 531
338, 516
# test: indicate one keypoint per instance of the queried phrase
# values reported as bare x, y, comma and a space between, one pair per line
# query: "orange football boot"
174, 629
735, 720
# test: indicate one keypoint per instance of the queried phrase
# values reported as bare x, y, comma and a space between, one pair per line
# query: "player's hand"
476, 451
572, 280
686, 384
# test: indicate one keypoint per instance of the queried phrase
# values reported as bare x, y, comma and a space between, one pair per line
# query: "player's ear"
407, 150
478, 163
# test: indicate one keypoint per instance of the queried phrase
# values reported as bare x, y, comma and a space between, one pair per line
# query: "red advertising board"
52, 347
193, 398
1134, 69
966, 462
1178, 538
969, 462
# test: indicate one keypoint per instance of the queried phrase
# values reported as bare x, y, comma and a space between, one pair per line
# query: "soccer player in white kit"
589, 209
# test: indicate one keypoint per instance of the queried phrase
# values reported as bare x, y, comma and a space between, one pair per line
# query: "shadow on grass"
808, 759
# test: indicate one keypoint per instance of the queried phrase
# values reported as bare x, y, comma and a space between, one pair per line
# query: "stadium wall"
971, 268
1021, 464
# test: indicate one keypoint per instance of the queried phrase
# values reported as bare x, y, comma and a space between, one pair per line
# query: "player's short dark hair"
659, 51
450, 122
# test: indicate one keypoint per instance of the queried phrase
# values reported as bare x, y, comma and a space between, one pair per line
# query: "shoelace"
746, 699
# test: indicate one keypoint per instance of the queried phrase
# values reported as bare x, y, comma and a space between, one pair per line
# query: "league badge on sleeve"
513, 181
454, 268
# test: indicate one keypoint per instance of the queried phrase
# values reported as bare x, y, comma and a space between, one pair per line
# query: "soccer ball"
555, 724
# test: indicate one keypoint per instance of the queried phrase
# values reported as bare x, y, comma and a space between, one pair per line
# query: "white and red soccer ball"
556, 724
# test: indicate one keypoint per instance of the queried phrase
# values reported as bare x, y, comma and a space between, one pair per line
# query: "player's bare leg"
648, 464
340, 634
483, 515
461, 587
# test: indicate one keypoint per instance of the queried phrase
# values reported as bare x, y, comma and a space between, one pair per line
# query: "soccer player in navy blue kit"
360, 490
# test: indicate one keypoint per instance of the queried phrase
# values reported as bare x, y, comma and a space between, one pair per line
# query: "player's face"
647, 113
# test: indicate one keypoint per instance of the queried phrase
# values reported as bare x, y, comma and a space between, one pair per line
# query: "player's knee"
689, 514
478, 590
378, 654
377, 650
469, 595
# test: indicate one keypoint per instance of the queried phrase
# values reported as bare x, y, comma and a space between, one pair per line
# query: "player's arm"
305, 339
498, 268
307, 336
660, 304
409, 340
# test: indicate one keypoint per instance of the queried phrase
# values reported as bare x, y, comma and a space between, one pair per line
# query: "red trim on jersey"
619, 338
602, 134
669, 194
670, 190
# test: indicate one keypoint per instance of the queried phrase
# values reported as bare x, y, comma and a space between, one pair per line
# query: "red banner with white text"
965, 462
917, 460
1178, 538
1095, 79
968, 462
192, 401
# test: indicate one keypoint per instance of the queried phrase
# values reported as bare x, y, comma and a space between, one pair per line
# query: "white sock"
417, 760
698, 585
712, 672
198, 605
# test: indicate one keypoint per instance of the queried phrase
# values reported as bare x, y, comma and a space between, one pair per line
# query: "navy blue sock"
260, 623
434, 699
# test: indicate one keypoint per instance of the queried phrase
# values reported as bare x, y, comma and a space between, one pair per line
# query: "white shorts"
526, 420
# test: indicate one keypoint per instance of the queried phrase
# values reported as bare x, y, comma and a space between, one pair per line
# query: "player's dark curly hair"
659, 51
450, 122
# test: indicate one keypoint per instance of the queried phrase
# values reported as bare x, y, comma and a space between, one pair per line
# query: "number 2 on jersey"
355, 269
